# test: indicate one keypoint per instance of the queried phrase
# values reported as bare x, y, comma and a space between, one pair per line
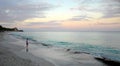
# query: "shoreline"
43, 55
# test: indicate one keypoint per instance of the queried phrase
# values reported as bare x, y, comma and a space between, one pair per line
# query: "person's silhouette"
27, 43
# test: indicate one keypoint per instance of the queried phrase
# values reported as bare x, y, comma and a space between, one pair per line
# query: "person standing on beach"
27, 43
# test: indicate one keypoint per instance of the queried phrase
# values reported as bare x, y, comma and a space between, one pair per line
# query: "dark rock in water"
68, 49
77, 52
44, 44
108, 61
80, 52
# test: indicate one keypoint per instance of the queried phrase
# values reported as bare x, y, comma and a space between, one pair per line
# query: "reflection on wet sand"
27, 49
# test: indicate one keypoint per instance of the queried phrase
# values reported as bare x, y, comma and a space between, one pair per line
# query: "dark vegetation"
4, 29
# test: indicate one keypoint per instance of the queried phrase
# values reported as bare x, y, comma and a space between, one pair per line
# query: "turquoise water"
106, 44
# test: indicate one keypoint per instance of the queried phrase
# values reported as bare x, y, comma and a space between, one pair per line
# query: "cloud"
79, 18
49, 23
19, 10
110, 8
114, 23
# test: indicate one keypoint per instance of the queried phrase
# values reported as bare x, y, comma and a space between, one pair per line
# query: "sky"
61, 15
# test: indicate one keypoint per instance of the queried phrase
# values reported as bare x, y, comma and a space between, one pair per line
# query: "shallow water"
104, 44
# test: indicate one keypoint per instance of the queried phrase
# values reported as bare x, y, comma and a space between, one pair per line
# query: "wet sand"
7, 58
12, 54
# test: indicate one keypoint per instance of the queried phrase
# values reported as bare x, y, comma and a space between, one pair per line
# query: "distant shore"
4, 29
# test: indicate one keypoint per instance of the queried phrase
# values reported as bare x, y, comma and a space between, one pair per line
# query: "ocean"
98, 44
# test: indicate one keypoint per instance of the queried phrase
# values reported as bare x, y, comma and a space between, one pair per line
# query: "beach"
9, 59
13, 52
